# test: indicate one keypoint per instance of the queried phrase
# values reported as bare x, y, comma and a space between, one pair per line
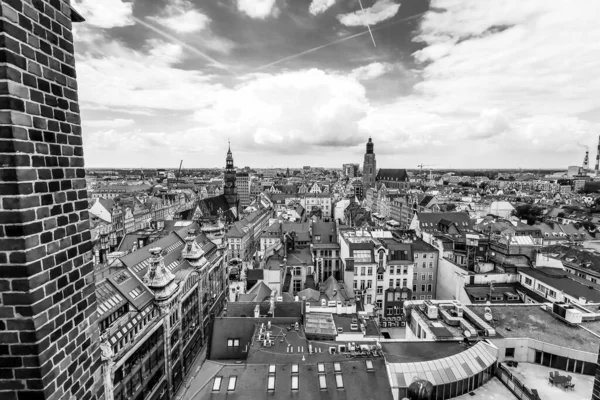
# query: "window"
415, 276
355, 285
429, 297
339, 381
404, 282
379, 289
430, 276
294, 368
379, 277
405, 270
429, 288
398, 282
217, 383
362, 255
271, 383
551, 293
414, 297
391, 283
362, 270
337, 367
321, 368
379, 304
369, 365
392, 270
398, 270
272, 369
232, 382
370, 271
423, 276
233, 342
421, 297
430, 264
422, 288
416, 255
528, 281
509, 352
431, 255
369, 298
294, 382
414, 288
322, 382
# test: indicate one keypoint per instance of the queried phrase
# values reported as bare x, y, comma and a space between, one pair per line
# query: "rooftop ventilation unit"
458, 309
431, 311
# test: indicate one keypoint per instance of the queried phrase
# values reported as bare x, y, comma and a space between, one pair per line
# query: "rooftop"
566, 282
530, 321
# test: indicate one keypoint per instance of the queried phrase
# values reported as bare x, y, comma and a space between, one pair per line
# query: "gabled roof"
260, 291
399, 175
429, 221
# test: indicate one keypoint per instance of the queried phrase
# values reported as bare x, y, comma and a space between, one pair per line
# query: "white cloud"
114, 76
181, 17
105, 13
380, 11
290, 112
258, 9
108, 123
371, 71
320, 6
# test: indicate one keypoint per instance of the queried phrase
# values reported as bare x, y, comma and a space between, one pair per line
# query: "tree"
528, 212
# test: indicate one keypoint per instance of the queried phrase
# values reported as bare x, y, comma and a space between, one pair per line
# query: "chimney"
586, 160
598, 156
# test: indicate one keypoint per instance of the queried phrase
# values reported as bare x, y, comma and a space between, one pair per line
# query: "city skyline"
451, 83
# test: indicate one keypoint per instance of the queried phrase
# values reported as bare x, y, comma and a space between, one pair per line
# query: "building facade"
425, 271
243, 185
229, 184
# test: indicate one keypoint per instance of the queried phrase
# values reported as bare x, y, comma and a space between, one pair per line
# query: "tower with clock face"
229, 189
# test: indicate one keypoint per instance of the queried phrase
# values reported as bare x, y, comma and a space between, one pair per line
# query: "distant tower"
230, 190
586, 160
369, 167
598, 156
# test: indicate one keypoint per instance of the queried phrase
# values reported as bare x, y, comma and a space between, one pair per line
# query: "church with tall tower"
369, 167
229, 186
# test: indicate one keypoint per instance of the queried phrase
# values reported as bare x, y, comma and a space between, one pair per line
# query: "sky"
448, 83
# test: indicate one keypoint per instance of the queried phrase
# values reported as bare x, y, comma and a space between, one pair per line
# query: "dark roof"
399, 175
408, 352
255, 274
429, 221
252, 382
210, 207
420, 245
325, 230
231, 328
282, 309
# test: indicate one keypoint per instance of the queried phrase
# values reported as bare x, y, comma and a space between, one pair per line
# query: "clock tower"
369, 168
229, 189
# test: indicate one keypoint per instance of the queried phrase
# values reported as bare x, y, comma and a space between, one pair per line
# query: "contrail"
184, 44
338, 41
368, 27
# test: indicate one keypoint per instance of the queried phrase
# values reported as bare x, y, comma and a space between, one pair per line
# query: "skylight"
295, 382
271, 383
322, 382
232, 382
272, 368
295, 368
369, 365
321, 367
217, 384
337, 367
135, 292
339, 381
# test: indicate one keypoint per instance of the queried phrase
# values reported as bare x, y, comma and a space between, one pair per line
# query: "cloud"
114, 76
108, 123
380, 11
491, 122
258, 9
181, 17
291, 112
106, 13
320, 6
371, 71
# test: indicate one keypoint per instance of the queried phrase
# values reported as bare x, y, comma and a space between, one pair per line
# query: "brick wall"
48, 331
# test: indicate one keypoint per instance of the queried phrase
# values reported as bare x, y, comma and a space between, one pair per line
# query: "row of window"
424, 276
368, 271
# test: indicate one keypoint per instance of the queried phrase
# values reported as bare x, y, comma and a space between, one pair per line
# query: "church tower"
369, 167
230, 190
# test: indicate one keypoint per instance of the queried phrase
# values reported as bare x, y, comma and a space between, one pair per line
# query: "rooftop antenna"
368, 27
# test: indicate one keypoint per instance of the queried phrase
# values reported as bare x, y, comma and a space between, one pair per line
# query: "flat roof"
569, 283
530, 321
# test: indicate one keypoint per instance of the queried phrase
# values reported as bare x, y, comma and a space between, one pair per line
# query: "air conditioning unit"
431, 311
458, 309
573, 316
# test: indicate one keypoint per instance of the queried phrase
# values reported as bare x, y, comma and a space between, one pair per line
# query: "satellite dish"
467, 334
488, 317
488, 310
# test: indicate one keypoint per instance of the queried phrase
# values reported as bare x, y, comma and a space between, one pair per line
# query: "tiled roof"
399, 175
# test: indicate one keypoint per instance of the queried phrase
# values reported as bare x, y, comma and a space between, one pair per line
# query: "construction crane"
421, 166
178, 175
